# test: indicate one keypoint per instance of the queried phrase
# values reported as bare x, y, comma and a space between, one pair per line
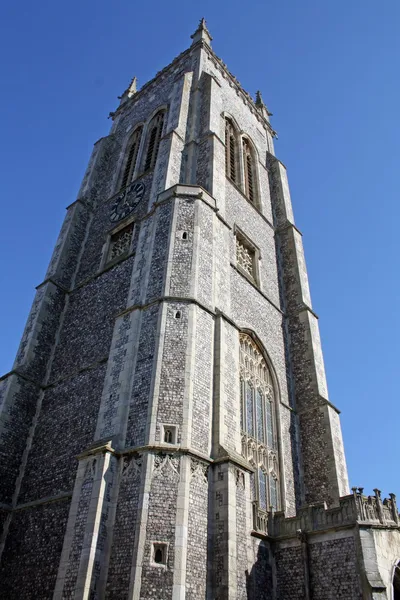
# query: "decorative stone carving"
166, 462
198, 469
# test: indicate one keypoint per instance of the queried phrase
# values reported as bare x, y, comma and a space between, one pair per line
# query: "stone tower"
166, 432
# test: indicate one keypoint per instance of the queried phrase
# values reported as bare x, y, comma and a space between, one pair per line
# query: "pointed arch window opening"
258, 423
132, 157
154, 138
249, 176
230, 151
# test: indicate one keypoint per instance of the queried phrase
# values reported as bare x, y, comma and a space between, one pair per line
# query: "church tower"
166, 431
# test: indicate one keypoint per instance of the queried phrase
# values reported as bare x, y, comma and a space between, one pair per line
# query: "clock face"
126, 201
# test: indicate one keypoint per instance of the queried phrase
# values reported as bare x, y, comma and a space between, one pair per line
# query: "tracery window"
153, 140
246, 257
230, 151
120, 243
132, 155
258, 424
248, 166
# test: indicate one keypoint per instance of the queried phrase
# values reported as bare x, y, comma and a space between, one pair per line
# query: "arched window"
248, 166
168, 436
132, 154
153, 140
258, 425
230, 151
396, 582
158, 556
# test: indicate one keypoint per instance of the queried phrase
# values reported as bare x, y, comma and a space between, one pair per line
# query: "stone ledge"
45, 500
285, 226
255, 286
99, 447
50, 280
18, 374
323, 402
166, 449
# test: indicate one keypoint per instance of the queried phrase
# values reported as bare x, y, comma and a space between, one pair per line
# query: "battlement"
353, 509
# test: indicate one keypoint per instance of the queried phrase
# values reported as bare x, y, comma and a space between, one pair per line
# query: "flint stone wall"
35, 538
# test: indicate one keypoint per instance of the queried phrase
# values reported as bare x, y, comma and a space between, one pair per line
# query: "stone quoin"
166, 431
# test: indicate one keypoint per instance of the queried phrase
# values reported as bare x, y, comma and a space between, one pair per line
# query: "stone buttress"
135, 463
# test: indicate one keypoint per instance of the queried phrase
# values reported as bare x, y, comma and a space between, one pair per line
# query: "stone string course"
113, 352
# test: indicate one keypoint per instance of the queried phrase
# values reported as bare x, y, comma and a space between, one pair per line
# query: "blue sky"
329, 71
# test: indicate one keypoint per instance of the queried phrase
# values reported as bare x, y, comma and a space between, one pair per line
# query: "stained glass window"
258, 424
242, 384
260, 419
274, 492
270, 432
249, 409
262, 489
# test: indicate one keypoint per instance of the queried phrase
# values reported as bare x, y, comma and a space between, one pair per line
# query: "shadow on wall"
396, 582
259, 579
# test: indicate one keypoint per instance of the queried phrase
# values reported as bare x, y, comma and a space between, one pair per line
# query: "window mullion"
254, 393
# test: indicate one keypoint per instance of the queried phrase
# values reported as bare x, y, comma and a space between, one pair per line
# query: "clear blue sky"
328, 70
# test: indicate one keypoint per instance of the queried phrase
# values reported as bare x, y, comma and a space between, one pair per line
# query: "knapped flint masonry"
166, 431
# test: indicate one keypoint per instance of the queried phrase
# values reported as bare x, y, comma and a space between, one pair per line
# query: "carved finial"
202, 33
132, 88
130, 91
259, 100
261, 106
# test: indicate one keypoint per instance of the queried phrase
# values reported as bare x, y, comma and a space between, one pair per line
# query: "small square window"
120, 243
246, 257
159, 554
169, 434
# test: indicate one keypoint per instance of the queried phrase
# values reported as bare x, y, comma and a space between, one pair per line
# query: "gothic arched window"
132, 154
154, 134
230, 151
168, 436
258, 423
249, 175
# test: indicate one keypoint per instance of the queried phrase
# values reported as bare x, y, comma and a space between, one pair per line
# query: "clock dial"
126, 201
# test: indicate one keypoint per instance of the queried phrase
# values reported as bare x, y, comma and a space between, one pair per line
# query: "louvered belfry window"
154, 138
133, 149
258, 425
248, 164
230, 150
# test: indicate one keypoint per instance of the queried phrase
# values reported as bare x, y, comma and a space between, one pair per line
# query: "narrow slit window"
154, 138
159, 554
248, 164
230, 151
133, 150
168, 436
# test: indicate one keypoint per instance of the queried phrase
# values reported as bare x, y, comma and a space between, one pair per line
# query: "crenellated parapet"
356, 508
